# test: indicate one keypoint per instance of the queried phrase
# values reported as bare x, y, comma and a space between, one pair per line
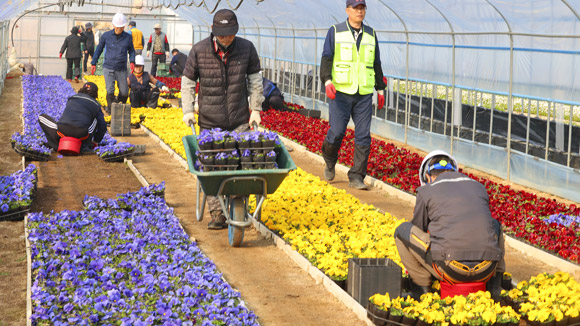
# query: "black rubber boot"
111, 98
357, 173
330, 155
416, 291
494, 286
153, 98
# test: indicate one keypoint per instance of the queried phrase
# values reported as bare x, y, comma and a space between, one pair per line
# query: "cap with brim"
225, 23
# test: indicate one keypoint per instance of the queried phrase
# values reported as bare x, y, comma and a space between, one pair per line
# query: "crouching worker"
452, 236
82, 118
142, 94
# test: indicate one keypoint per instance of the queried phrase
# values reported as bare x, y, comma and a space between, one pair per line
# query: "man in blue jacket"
82, 118
351, 70
118, 44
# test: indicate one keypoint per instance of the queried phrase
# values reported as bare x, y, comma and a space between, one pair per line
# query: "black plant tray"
118, 157
258, 165
32, 155
16, 214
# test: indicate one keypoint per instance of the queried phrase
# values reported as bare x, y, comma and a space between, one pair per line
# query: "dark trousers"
340, 111
69, 67
142, 99
275, 102
154, 59
86, 58
52, 129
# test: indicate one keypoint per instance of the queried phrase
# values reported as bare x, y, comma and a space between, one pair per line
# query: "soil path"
272, 285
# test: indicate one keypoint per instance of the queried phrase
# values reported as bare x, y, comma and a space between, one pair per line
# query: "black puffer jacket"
72, 45
223, 91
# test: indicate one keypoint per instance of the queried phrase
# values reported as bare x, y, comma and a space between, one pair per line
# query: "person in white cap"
142, 94
119, 43
228, 70
158, 41
452, 236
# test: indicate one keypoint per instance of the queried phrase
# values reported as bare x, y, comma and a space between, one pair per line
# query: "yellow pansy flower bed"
476, 309
100, 82
325, 224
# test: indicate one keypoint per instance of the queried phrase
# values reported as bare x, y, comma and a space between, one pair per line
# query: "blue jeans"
341, 109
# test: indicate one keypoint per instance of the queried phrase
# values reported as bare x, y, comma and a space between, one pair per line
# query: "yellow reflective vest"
353, 69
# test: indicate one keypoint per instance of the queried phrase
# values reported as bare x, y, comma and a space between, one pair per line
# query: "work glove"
93, 69
60, 55
189, 118
148, 53
380, 99
330, 90
165, 88
255, 118
132, 65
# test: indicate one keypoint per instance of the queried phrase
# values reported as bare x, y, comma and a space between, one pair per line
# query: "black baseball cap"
225, 23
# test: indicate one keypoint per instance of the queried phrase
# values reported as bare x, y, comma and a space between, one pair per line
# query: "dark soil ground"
272, 285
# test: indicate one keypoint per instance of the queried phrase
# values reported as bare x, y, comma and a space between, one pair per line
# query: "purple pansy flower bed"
17, 189
125, 261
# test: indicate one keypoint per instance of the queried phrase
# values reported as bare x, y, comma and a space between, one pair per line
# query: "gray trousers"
120, 76
213, 202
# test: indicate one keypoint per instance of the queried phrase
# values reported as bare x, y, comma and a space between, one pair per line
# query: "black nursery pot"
246, 159
221, 161
233, 161
268, 143
255, 144
205, 146
207, 161
230, 144
258, 158
270, 159
243, 144
217, 145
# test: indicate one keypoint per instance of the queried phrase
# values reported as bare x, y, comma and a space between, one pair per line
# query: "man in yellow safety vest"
351, 70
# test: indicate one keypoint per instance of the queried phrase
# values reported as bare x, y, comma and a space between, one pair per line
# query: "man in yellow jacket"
351, 70
138, 39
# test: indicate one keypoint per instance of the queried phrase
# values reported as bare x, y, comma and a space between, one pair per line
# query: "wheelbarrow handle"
191, 123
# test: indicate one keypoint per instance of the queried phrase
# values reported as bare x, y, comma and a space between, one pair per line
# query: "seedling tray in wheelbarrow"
210, 181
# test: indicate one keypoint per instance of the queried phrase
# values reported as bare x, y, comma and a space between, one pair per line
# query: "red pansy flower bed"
518, 211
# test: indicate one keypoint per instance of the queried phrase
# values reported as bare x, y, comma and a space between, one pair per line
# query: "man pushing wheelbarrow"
226, 67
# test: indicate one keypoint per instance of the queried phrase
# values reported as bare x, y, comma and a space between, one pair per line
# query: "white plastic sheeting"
11, 8
480, 35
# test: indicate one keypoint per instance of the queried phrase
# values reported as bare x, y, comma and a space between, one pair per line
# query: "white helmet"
139, 60
119, 20
427, 162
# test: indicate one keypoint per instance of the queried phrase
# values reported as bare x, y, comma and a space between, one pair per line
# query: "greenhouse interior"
490, 82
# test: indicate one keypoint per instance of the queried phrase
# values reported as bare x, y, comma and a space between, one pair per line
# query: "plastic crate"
367, 276
464, 289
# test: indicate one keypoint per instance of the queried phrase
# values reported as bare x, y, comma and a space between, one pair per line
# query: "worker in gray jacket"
452, 236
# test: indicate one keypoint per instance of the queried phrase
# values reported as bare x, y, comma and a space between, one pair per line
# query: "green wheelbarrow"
233, 188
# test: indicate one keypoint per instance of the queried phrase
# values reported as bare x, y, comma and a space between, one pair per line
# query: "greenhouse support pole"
293, 79
406, 89
314, 70
510, 108
570, 125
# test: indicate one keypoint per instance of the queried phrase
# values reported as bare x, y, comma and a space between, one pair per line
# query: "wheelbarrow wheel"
237, 213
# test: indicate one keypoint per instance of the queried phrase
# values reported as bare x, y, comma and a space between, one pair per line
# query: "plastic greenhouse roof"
526, 46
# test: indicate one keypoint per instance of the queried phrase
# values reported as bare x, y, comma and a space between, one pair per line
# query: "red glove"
330, 91
132, 66
380, 100
60, 55
385, 80
93, 69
